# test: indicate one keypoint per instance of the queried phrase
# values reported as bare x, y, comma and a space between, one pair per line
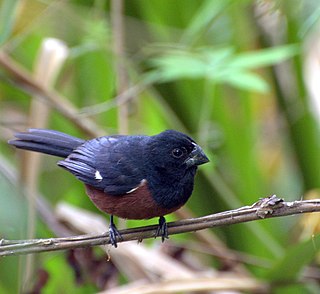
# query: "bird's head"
175, 154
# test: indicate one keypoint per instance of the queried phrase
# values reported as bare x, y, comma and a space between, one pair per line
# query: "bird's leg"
162, 229
113, 233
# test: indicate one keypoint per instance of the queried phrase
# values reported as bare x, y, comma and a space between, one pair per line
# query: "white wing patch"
143, 182
98, 176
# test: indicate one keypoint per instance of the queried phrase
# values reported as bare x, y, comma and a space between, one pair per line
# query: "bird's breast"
138, 204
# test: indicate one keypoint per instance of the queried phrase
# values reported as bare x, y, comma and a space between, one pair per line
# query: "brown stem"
265, 208
24, 79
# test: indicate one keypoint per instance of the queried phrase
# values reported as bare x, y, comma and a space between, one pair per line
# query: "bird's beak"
197, 157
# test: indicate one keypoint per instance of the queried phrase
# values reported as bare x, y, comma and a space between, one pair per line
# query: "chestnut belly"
134, 205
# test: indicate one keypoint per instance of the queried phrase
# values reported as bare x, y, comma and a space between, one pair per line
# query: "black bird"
132, 177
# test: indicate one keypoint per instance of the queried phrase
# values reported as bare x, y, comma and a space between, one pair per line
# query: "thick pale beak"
197, 157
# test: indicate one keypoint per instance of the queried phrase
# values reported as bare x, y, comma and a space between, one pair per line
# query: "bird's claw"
162, 229
114, 234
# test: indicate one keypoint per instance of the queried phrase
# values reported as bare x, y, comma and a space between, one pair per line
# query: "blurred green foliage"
213, 69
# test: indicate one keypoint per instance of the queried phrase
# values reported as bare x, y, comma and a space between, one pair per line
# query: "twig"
119, 100
265, 208
24, 79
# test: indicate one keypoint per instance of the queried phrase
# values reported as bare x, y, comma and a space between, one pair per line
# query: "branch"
265, 208
24, 79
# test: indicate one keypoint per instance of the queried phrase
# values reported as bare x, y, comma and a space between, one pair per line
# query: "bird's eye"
178, 152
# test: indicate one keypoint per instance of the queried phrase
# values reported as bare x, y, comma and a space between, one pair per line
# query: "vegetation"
238, 76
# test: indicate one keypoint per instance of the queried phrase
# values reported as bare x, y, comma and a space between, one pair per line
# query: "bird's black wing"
108, 163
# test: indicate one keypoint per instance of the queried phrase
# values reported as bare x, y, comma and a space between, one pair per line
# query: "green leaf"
215, 65
8, 14
246, 81
173, 67
293, 262
265, 57
203, 17
217, 57
221, 65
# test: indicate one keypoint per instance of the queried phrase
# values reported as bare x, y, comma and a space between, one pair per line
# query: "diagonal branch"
265, 208
24, 79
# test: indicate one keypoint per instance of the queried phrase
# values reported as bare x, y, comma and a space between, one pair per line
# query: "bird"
128, 176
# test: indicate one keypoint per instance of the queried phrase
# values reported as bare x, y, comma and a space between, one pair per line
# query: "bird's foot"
114, 233
162, 229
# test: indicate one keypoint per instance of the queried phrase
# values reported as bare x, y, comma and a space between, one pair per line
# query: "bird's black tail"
46, 141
